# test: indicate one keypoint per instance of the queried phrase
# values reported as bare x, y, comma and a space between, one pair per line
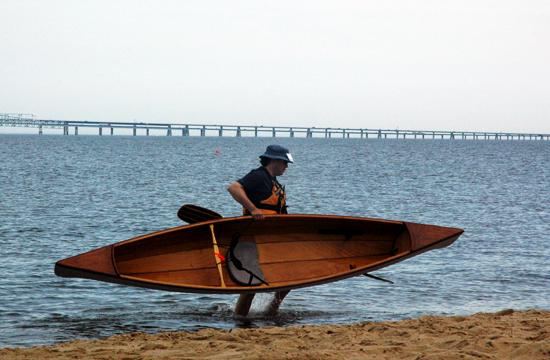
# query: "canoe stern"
95, 264
427, 237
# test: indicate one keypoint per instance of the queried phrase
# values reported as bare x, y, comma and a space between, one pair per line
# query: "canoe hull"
295, 251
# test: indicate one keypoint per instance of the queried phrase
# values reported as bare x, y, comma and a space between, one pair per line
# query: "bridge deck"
141, 128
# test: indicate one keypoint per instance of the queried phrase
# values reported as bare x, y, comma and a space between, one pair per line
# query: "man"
261, 194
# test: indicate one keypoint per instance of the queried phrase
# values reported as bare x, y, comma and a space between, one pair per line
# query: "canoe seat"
243, 266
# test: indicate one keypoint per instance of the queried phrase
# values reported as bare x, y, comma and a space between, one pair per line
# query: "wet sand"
506, 334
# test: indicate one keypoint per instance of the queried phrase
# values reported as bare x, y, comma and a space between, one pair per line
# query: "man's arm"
237, 192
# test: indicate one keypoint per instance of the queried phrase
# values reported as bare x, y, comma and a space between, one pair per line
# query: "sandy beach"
507, 334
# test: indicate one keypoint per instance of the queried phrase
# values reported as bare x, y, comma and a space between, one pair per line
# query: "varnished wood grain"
294, 251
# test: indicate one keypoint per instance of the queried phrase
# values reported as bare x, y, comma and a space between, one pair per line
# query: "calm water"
60, 196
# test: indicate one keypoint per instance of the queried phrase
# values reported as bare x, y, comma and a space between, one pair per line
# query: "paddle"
194, 214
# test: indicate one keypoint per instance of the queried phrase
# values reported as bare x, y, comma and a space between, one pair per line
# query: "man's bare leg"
243, 304
276, 302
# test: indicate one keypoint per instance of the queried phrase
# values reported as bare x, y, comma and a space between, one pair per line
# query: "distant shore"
507, 334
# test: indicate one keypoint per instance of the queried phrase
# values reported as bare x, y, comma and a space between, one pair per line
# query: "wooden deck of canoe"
293, 251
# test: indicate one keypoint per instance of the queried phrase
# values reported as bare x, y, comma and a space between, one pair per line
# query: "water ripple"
61, 196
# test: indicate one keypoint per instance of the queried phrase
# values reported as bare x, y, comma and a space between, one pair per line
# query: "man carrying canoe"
261, 194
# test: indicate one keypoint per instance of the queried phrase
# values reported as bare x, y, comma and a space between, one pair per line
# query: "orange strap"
217, 255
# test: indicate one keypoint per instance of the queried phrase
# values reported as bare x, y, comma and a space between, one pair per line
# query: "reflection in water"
106, 322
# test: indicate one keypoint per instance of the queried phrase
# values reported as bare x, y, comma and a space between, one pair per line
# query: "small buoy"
217, 152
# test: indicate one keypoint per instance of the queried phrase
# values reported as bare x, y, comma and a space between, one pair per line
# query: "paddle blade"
194, 214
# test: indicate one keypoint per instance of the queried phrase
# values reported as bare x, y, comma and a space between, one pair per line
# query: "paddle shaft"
216, 255
377, 278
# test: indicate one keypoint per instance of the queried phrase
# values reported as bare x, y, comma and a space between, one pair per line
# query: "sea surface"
64, 195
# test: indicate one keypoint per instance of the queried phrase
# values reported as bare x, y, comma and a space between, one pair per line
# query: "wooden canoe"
292, 251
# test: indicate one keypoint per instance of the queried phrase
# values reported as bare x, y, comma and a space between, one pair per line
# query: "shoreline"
505, 334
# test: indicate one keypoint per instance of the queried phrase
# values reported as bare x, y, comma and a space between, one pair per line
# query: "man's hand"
257, 214
237, 191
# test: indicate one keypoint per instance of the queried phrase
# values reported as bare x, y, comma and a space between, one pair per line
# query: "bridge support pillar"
40, 130
169, 131
238, 131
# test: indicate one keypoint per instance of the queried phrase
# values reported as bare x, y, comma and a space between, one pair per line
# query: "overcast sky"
442, 64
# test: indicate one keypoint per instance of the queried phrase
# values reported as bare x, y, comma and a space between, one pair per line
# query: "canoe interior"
292, 251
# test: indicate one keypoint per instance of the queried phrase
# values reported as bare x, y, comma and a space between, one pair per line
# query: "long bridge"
141, 128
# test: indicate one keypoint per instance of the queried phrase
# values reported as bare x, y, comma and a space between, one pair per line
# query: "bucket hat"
277, 152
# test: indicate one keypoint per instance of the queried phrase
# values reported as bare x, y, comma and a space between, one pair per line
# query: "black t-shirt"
257, 184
